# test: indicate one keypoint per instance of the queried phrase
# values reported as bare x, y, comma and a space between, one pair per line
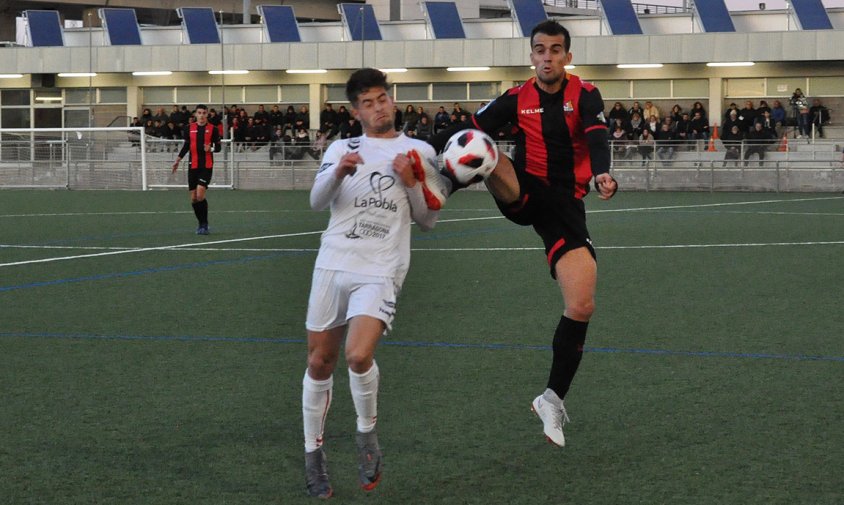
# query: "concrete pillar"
716, 88
314, 103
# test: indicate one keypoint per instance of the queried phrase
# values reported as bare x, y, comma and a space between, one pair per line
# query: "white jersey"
369, 229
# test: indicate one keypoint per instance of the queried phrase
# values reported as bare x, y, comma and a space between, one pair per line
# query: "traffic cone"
783, 148
712, 138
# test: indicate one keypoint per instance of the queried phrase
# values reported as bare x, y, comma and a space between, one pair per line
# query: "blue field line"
429, 345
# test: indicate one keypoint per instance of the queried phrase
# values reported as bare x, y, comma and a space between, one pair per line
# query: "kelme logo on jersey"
528, 112
568, 107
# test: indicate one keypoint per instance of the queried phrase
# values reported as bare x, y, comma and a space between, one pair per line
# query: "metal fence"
746, 166
122, 158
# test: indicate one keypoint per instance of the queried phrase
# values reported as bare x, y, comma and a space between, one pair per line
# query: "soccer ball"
470, 156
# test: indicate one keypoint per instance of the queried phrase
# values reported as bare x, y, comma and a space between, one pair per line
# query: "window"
411, 92
14, 97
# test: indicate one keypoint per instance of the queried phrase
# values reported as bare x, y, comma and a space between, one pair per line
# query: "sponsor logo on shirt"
568, 107
528, 112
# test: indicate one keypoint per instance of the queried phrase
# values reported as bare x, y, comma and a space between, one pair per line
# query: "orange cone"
712, 138
783, 148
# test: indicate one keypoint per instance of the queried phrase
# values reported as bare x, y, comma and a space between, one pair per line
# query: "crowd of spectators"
751, 129
642, 129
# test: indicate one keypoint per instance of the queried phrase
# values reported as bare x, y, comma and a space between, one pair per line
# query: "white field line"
246, 239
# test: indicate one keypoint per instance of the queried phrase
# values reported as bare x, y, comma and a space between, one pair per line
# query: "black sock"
203, 212
197, 210
568, 350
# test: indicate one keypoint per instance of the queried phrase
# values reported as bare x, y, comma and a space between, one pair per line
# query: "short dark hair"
201, 106
362, 80
551, 27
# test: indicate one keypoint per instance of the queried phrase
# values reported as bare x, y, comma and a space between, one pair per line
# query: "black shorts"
199, 177
557, 217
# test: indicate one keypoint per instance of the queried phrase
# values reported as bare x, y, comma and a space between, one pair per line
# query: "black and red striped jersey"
196, 136
561, 138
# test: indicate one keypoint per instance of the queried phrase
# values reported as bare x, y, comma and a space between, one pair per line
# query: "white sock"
316, 399
365, 395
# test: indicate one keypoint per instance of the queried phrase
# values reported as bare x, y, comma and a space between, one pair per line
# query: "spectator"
666, 142
683, 130
731, 108
732, 140
800, 107
276, 117
160, 116
261, 115
699, 127
778, 113
698, 107
636, 125
410, 118
328, 120
747, 116
289, 118
441, 119
732, 120
146, 115
262, 134
676, 114
618, 138
758, 141
636, 109
618, 112
763, 106
177, 117
399, 124
303, 119
421, 112
350, 128
646, 146
457, 109
343, 115
651, 110
652, 124
819, 116
424, 128
767, 122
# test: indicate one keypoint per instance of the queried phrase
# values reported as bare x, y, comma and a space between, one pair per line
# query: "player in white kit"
374, 185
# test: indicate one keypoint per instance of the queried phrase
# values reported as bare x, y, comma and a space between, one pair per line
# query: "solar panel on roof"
360, 21
714, 16
444, 20
199, 25
44, 28
121, 26
528, 13
621, 17
811, 15
279, 23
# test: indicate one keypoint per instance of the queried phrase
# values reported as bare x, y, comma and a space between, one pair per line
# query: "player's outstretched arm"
420, 210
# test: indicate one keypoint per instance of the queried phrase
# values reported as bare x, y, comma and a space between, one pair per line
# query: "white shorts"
337, 296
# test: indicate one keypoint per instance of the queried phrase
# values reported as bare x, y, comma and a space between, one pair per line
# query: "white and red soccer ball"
470, 156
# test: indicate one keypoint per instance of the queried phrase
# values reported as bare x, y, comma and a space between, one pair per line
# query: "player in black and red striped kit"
561, 144
201, 140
